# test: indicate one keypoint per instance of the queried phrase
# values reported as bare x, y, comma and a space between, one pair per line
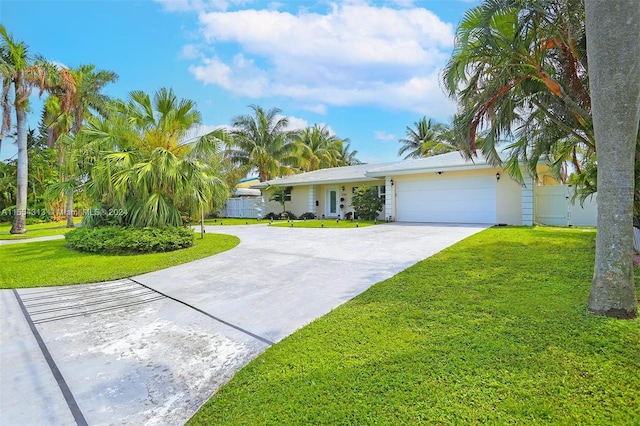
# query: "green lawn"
37, 230
231, 221
49, 263
493, 330
326, 223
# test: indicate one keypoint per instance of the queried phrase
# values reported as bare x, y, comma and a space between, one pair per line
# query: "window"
287, 192
382, 190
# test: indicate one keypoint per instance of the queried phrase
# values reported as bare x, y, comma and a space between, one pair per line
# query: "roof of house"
374, 172
357, 173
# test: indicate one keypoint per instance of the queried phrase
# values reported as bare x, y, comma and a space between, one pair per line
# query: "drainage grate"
69, 302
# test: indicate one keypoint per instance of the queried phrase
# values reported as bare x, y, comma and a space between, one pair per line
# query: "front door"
332, 202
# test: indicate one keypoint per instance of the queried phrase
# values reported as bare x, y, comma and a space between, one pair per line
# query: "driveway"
152, 349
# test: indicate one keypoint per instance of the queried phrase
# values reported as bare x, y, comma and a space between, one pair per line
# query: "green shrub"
116, 239
307, 216
366, 202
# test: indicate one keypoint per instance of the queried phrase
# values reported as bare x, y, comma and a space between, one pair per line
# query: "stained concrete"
152, 349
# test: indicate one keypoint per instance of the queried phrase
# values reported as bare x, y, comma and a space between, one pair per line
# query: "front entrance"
332, 204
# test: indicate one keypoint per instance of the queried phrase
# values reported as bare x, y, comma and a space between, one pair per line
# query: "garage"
447, 199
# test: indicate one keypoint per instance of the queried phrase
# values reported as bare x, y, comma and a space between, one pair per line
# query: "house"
446, 188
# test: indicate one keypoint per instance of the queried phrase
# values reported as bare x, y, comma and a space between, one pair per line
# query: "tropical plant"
347, 156
280, 194
320, 148
65, 114
614, 66
19, 75
262, 142
518, 72
424, 139
145, 169
366, 202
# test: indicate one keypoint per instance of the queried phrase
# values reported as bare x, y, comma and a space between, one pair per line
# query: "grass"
492, 330
326, 223
37, 230
231, 221
50, 263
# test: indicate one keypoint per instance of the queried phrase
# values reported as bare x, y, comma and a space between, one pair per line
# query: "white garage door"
447, 199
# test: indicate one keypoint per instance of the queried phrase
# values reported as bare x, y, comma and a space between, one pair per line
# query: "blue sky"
366, 69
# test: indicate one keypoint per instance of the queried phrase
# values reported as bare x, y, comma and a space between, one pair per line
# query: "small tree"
366, 202
280, 194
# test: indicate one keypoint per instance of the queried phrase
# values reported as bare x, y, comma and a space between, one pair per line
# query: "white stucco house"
445, 188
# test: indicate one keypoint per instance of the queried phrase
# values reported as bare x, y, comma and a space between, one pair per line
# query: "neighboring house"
445, 188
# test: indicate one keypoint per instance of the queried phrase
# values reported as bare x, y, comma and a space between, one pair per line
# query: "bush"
307, 216
366, 203
116, 239
272, 216
288, 216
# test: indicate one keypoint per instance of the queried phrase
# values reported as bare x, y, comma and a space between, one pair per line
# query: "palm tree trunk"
69, 211
19, 220
613, 49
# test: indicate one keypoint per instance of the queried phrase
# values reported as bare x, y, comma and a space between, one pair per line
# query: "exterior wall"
527, 201
303, 199
508, 200
553, 206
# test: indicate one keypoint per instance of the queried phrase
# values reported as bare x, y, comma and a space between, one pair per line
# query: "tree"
320, 149
347, 156
19, 75
613, 48
280, 194
425, 139
366, 202
518, 71
66, 112
261, 141
144, 170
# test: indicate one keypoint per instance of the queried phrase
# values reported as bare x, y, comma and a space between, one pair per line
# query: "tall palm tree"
320, 149
614, 67
145, 168
348, 156
19, 75
66, 113
424, 139
518, 71
261, 141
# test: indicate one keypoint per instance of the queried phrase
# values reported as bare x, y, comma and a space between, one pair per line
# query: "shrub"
366, 203
288, 215
307, 215
272, 216
116, 239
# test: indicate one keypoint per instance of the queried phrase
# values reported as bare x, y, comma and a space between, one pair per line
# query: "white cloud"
296, 123
381, 135
355, 54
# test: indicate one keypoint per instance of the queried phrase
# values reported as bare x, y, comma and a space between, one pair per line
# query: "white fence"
553, 206
249, 207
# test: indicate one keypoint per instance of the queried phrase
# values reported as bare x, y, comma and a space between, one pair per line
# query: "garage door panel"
462, 200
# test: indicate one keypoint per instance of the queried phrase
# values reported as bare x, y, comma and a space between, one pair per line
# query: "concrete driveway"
152, 349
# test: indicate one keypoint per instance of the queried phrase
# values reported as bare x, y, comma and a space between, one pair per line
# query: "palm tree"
144, 167
66, 112
347, 156
518, 70
425, 139
261, 141
320, 149
19, 75
614, 61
